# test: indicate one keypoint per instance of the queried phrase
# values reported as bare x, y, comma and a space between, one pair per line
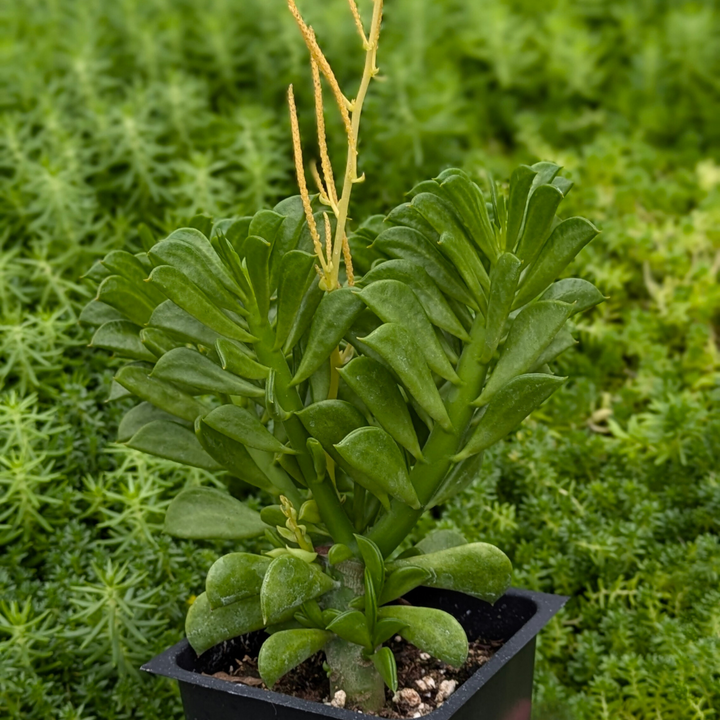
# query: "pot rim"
547, 606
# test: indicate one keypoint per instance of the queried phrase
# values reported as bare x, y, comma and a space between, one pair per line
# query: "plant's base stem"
355, 675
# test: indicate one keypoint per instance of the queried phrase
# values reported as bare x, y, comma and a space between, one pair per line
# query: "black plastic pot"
500, 690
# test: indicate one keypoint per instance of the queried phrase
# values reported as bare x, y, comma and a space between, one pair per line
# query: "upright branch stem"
369, 72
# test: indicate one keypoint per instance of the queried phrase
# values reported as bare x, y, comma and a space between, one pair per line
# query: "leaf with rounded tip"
334, 317
503, 283
542, 205
398, 348
185, 294
179, 324
191, 253
286, 649
433, 301
234, 577
402, 581
520, 183
567, 239
126, 297
98, 313
392, 301
289, 582
477, 569
265, 224
352, 627
440, 540
163, 395
237, 360
141, 415
204, 513
373, 452
373, 559
432, 631
171, 441
189, 369
233, 456
206, 627
329, 421
408, 244
295, 275
120, 262
531, 332
508, 408
376, 387
121, 337
244, 427
581, 294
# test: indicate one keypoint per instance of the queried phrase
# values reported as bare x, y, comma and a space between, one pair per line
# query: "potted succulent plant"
353, 399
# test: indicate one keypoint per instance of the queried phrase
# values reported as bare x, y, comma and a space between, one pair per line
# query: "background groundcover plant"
354, 403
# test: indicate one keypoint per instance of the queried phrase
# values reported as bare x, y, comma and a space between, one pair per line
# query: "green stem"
331, 510
395, 525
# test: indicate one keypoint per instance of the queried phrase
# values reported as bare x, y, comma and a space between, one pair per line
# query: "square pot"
500, 690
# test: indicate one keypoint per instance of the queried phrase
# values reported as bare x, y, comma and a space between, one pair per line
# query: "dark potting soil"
424, 682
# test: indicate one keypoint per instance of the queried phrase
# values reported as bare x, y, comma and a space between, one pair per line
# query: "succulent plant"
352, 398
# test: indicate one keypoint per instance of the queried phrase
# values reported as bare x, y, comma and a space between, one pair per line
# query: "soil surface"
424, 682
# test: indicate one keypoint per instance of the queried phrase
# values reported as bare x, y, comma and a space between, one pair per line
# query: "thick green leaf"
408, 216
171, 441
289, 582
432, 631
374, 453
352, 626
287, 235
469, 204
385, 628
189, 369
477, 569
237, 360
121, 337
286, 649
163, 395
581, 294
460, 476
190, 298
334, 317
140, 415
402, 581
433, 301
508, 408
531, 332
394, 302
398, 348
330, 421
384, 662
204, 513
190, 252
408, 244
206, 627
309, 304
98, 313
561, 342
126, 297
373, 559
257, 257
266, 224
440, 540
296, 274
233, 456
179, 324
244, 427
542, 205
120, 262
566, 241
234, 577
376, 387
503, 283
520, 183
157, 341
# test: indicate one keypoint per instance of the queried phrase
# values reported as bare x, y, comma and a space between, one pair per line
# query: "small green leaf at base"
384, 662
